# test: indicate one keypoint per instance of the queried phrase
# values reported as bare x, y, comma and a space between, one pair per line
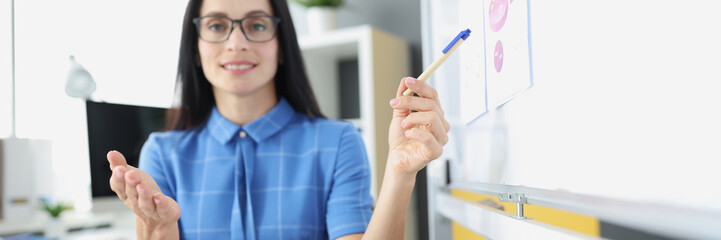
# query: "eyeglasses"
255, 28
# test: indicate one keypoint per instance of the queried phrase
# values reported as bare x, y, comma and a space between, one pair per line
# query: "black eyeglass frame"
276, 21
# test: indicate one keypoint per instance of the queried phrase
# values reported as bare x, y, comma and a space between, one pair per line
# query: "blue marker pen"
457, 41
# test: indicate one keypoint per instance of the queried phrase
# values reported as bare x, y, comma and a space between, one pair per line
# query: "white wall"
129, 47
5, 68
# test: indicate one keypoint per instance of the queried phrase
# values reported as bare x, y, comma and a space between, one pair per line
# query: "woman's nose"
237, 40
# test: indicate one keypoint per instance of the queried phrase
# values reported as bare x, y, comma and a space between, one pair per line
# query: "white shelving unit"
383, 59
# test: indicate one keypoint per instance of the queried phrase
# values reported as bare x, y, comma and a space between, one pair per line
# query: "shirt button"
243, 134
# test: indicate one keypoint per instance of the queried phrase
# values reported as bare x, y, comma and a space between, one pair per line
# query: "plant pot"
54, 229
321, 19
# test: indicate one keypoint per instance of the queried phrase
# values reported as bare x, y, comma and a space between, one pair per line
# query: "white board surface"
625, 103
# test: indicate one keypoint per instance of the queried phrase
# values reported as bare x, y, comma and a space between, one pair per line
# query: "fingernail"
394, 101
411, 81
156, 200
141, 191
407, 132
403, 123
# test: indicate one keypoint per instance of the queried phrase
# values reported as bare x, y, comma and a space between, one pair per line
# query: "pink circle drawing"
498, 56
497, 13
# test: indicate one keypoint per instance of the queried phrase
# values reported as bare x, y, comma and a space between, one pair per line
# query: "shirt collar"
270, 123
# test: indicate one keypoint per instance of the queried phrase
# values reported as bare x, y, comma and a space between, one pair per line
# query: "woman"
250, 156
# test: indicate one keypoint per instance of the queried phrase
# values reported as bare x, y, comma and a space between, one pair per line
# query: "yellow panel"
563, 219
571, 221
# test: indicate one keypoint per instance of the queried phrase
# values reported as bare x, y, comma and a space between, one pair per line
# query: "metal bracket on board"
517, 198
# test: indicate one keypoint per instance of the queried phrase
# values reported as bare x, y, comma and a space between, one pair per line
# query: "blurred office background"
130, 49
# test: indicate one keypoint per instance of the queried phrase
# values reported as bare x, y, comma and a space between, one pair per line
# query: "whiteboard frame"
494, 224
658, 219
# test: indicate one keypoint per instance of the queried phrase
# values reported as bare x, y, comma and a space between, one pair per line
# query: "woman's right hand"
141, 194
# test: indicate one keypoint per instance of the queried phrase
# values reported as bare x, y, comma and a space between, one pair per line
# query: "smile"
237, 67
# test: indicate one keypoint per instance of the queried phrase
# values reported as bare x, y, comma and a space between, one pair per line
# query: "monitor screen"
117, 127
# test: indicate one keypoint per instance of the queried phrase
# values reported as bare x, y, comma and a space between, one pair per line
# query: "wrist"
400, 167
396, 175
165, 231
154, 230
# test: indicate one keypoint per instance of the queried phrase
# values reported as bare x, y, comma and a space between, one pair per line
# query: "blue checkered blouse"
282, 176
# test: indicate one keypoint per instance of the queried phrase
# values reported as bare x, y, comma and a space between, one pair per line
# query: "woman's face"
238, 66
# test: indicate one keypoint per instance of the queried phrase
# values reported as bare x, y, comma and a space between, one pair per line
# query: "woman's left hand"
416, 138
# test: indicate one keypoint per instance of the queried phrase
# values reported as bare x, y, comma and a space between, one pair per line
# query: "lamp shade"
79, 82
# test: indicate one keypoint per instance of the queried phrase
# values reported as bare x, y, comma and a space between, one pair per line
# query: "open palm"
141, 193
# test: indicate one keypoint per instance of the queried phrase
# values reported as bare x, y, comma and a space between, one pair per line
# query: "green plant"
55, 209
320, 3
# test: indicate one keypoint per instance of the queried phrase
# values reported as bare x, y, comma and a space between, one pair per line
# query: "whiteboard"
495, 65
625, 102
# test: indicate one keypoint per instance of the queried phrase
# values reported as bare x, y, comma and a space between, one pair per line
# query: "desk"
106, 221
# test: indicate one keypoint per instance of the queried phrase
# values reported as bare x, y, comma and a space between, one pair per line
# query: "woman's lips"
238, 67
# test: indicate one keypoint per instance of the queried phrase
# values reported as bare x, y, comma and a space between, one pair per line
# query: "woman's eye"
216, 27
259, 27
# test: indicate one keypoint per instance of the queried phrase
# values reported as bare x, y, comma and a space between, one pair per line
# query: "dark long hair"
196, 95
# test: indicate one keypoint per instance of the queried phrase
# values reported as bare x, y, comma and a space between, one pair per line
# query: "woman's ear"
197, 60
280, 57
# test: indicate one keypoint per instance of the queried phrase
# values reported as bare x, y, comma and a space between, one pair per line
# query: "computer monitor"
117, 127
